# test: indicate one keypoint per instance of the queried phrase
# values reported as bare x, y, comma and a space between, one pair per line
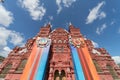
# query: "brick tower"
61, 65
59, 55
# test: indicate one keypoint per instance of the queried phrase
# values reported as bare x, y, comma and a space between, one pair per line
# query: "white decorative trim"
42, 42
76, 42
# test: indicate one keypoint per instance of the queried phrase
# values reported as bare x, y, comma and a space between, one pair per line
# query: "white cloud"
96, 13
7, 48
99, 30
36, 10
102, 15
5, 51
58, 2
68, 3
50, 17
116, 59
9, 36
6, 17
64, 3
4, 34
16, 38
95, 44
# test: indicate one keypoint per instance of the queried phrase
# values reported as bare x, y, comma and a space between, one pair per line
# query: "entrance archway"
60, 76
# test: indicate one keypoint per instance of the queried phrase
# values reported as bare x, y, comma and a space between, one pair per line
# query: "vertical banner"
40, 74
36, 66
85, 58
77, 64
29, 63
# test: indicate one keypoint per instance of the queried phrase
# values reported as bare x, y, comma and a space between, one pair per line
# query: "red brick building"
61, 61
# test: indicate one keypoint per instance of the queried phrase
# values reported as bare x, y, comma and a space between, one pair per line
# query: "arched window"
21, 66
62, 76
59, 41
57, 49
112, 72
5, 70
56, 75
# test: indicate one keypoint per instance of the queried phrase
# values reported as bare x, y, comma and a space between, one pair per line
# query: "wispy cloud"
9, 36
95, 44
6, 17
16, 38
36, 10
116, 59
113, 22
96, 13
5, 51
102, 15
51, 18
99, 30
64, 3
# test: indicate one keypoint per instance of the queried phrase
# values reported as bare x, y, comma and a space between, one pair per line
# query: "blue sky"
98, 20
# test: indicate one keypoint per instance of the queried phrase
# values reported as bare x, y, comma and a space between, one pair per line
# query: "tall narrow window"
57, 49
62, 49
62, 76
56, 75
5, 70
21, 66
112, 72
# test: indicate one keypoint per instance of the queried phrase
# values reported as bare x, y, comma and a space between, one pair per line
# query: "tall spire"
70, 25
48, 25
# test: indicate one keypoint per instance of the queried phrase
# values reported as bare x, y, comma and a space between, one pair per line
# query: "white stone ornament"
76, 42
42, 42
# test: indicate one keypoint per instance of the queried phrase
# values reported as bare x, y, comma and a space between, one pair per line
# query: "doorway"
58, 76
